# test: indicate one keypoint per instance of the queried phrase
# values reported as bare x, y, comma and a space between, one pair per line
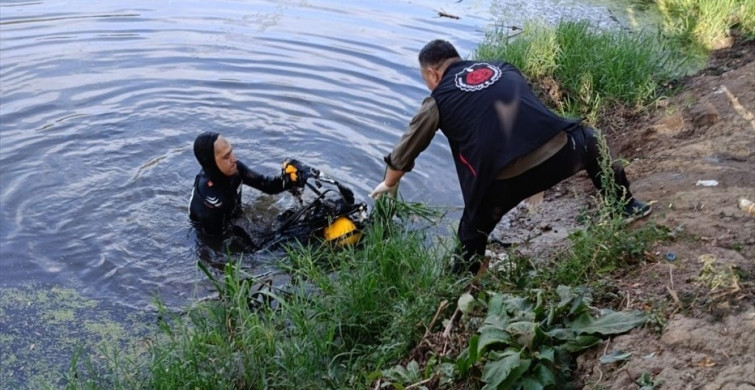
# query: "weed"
718, 280
594, 68
647, 382
702, 24
606, 244
535, 52
526, 341
657, 320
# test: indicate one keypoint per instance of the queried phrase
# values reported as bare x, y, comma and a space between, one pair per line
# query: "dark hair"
436, 52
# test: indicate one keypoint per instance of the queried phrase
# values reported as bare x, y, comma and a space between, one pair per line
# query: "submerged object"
343, 231
327, 209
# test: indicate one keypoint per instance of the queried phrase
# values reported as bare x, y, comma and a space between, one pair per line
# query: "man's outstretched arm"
418, 136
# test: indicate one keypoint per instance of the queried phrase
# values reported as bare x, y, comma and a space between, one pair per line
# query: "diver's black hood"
204, 151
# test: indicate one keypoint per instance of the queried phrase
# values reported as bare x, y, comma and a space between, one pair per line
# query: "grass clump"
607, 243
586, 71
593, 69
535, 51
344, 314
519, 340
704, 24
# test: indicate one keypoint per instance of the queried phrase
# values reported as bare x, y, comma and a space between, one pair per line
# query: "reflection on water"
102, 100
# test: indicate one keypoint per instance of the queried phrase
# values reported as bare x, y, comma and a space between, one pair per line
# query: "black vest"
491, 117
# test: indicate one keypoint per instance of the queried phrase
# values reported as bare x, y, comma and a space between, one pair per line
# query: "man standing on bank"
506, 144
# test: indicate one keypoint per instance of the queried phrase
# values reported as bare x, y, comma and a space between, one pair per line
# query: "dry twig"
674, 296
444, 14
447, 331
418, 384
442, 306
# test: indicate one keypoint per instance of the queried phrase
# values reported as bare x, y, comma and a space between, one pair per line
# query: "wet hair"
204, 151
436, 52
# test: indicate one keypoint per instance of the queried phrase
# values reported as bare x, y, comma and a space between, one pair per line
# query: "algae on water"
49, 324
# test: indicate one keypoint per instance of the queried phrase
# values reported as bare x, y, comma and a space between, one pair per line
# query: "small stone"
703, 114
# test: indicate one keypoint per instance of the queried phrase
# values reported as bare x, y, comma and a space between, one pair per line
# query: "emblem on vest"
477, 77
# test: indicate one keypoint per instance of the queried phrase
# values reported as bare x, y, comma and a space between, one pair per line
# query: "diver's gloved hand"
291, 175
383, 188
295, 174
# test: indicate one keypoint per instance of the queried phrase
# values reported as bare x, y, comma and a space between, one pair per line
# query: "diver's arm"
266, 184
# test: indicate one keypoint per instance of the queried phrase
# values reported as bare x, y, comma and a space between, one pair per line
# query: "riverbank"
351, 315
699, 281
688, 266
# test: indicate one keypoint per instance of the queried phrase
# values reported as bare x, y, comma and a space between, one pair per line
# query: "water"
100, 105
102, 100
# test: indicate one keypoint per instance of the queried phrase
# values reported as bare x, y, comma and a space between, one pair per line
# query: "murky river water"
101, 101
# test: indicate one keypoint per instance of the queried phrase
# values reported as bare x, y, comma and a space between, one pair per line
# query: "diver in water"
216, 197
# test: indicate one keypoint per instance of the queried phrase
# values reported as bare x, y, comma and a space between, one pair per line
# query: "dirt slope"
705, 133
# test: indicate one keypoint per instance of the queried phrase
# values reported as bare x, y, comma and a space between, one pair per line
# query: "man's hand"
383, 188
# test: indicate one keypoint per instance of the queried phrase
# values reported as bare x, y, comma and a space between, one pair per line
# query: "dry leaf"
706, 362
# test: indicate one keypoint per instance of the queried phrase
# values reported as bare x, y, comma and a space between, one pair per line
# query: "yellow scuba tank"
342, 232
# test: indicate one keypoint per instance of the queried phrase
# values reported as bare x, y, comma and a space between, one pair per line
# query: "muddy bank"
693, 157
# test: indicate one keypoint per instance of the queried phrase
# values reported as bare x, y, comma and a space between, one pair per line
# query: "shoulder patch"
477, 77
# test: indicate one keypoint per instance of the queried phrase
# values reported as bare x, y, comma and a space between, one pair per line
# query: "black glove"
295, 174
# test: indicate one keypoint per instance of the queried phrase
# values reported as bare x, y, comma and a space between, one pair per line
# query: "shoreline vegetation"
376, 315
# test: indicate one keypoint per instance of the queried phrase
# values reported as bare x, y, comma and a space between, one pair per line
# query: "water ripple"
101, 103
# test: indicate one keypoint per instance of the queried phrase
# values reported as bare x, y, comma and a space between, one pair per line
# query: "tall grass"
593, 68
535, 51
345, 314
704, 23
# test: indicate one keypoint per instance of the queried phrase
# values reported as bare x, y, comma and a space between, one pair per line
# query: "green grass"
345, 314
702, 24
607, 244
594, 69
536, 51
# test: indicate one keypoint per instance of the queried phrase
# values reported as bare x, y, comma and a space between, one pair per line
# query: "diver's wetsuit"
215, 203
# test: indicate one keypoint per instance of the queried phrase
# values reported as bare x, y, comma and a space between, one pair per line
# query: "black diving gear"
332, 214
